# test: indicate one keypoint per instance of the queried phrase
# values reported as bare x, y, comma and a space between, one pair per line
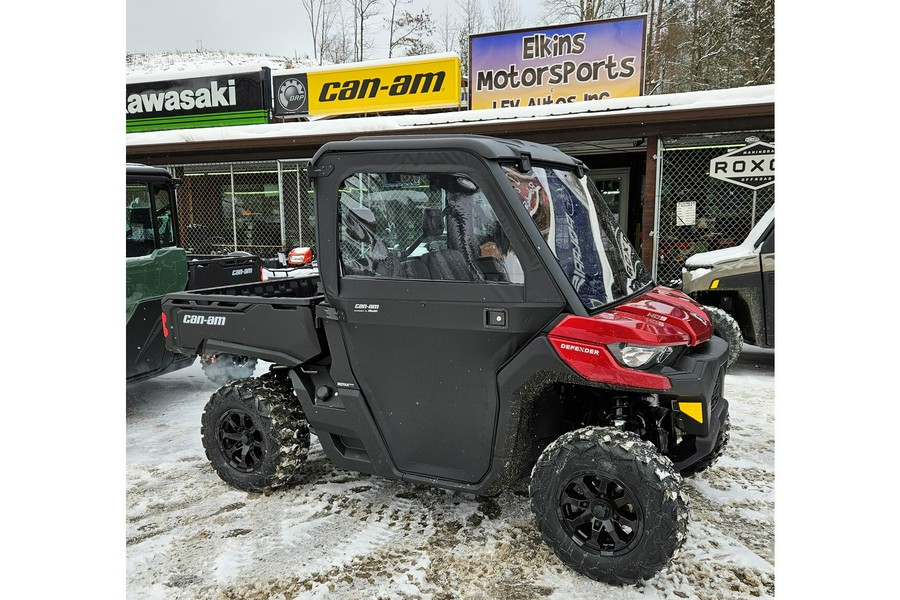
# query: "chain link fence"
696, 212
258, 207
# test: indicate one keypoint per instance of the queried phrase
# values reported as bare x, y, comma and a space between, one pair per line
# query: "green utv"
156, 266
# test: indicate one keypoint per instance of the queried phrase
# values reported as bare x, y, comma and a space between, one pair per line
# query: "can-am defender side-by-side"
478, 318
736, 287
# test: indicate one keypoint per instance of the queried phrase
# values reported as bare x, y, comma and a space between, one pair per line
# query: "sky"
281, 29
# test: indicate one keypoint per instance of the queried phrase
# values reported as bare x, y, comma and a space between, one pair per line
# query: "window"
138, 221
164, 228
575, 221
146, 229
428, 226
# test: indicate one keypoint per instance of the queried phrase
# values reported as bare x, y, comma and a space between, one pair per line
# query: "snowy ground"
340, 534
169, 63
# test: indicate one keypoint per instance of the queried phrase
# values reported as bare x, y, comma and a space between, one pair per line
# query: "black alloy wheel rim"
240, 441
599, 513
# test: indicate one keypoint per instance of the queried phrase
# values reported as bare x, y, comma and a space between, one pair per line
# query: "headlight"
634, 356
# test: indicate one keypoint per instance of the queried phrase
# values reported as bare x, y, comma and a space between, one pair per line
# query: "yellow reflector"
692, 409
714, 284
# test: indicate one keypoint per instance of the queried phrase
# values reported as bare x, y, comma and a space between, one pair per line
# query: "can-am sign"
752, 166
592, 60
431, 81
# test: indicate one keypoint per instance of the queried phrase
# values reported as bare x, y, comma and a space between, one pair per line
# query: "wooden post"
649, 214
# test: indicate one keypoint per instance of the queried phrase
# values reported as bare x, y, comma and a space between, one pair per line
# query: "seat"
493, 268
414, 268
449, 265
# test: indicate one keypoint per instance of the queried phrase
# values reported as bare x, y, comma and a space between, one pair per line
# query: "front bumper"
697, 400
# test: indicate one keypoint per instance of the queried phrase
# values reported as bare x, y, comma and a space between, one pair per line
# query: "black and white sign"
291, 94
752, 166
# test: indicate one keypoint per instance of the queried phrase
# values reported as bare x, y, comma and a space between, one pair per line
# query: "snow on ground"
171, 63
339, 534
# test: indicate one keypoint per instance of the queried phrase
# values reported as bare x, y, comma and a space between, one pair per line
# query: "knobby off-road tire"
225, 368
255, 434
609, 505
728, 329
717, 451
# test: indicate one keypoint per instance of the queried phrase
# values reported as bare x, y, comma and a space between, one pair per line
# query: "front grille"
718, 389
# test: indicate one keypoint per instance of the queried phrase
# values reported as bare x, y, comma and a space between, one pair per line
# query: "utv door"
438, 290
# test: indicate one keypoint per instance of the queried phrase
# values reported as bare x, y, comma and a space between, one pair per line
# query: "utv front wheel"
728, 329
225, 368
608, 504
255, 434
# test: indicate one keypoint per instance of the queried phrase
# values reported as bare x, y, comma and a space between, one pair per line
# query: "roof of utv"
139, 170
489, 147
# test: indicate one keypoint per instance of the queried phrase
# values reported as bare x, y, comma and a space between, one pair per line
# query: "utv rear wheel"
608, 504
225, 368
255, 434
728, 329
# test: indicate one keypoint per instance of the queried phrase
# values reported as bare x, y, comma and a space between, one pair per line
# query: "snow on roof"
744, 96
368, 64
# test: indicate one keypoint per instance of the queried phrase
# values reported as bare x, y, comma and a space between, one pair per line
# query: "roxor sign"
752, 166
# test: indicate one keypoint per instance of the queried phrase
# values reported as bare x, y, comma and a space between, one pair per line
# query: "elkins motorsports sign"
561, 64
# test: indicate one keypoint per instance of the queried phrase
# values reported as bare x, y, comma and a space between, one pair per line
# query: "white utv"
736, 286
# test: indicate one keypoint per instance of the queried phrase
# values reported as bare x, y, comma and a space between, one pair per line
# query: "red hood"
661, 317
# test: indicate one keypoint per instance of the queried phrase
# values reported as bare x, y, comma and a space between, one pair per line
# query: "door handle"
495, 318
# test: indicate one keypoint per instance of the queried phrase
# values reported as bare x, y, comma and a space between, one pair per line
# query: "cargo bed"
273, 320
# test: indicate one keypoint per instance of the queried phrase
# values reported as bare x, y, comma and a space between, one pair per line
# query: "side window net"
426, 226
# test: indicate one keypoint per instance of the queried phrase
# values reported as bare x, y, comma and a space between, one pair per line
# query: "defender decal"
579, 349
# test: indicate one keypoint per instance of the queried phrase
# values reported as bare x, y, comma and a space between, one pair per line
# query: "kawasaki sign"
203, 101
752, 166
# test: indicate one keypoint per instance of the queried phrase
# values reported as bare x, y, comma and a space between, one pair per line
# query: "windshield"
572, 217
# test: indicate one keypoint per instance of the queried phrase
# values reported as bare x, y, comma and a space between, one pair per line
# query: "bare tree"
446, 30
315, 13
568, 11
472, 19
471, 22
338, 46
322, 15
410, 32
363, 11
392, 21
505, 14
